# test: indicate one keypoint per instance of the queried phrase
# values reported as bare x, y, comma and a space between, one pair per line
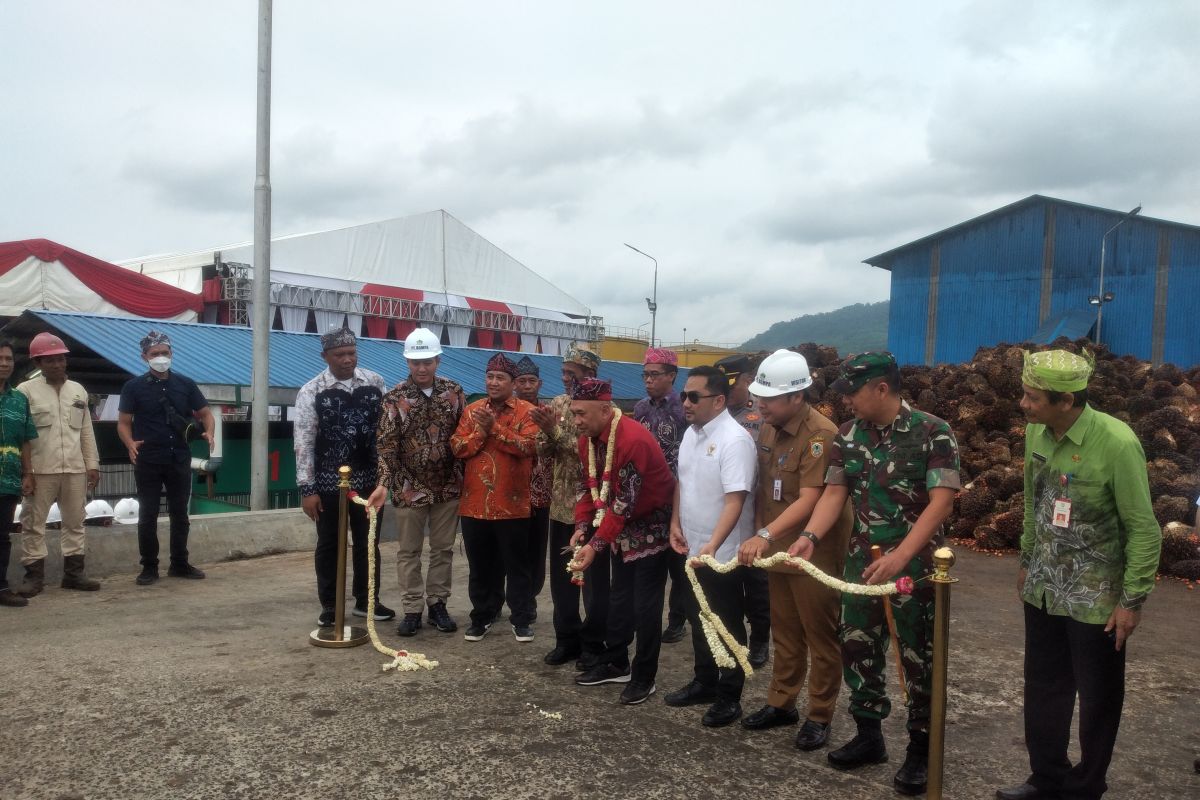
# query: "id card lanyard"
1062, 506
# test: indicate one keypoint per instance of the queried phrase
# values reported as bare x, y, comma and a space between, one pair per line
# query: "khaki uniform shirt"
795, 457
65, 441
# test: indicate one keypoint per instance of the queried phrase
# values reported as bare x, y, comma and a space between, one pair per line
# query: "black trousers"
597, 601
8, 508
498, 560
325, 556
635, 608
152, 479
726, 597
758, 603
568, 624
677, 600
539, 539
1065, 658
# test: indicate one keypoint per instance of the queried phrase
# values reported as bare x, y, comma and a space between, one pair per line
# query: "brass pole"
338, 636
943, 560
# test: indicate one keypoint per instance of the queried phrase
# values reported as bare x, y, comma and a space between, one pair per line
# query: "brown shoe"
73, 577
35, 579
11, 599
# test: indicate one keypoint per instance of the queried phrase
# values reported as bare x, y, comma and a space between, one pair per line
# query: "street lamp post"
652, 301
1102, 297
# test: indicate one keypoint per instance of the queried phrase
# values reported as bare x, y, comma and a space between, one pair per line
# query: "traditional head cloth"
155, 338
502, 363
341, 336
1057, 370
526, 367
858, 370
583, 355
592, 389
660, 355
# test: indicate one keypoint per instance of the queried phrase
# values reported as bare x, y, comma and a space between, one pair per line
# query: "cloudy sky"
759, 150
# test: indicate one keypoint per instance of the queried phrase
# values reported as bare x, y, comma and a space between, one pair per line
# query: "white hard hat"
421, 345
782, 372
53, 515
97, 509
126, 511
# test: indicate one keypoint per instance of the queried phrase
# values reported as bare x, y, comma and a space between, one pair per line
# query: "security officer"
899, 467
744, 409
793, 450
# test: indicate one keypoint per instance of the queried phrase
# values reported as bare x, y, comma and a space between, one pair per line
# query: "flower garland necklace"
602, 489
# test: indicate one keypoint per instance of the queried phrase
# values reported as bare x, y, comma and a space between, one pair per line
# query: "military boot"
73, 577
910, 778
867, 747
35, 579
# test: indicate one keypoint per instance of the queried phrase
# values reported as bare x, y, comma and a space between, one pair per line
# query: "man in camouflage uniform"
899, 467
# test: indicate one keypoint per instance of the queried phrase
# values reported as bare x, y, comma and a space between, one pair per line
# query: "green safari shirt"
1108, 551
16, 428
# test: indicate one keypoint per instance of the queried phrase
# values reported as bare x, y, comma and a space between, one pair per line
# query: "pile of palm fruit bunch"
980, 401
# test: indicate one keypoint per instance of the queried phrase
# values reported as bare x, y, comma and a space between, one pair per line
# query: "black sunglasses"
693, 397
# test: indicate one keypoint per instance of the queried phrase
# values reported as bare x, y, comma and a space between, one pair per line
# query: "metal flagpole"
260, 323
943, 560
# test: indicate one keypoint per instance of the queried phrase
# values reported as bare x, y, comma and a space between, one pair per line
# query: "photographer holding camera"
156, 412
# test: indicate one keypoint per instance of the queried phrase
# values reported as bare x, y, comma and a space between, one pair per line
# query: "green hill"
852, 329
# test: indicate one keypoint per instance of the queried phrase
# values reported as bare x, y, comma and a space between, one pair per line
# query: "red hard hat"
47, 344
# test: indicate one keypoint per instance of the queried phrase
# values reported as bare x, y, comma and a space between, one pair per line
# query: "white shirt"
714, 460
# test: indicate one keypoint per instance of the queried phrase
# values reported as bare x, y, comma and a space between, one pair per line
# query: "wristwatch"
812, 537
763, 533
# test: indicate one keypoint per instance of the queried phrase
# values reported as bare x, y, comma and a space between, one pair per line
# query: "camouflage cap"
858, 370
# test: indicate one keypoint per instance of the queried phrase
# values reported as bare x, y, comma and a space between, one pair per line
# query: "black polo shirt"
146, 398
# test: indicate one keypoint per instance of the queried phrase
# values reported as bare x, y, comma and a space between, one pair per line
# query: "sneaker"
636, 693
587, 661
327, 617
440, 618
477, 632
523, 633
674, 633
410, 624
148, 576
603, 673
382, 612
185, 571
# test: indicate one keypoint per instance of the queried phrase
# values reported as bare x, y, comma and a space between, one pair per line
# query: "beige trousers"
804, 627
441, 519
69, 490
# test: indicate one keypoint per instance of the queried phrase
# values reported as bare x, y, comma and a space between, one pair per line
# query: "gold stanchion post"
943, 560
341, 635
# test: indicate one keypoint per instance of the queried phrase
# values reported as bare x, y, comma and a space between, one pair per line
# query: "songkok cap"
1057, 370
583, 355
341, 336
858, 370
526, 367
154, 338
660, 355
502, 363
592, 389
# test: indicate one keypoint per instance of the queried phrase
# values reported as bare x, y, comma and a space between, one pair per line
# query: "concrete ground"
210, 689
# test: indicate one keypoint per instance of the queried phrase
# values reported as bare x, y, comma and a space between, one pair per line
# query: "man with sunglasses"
661, 412
710, 517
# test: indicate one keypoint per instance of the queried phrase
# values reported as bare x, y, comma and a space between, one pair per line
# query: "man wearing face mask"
158, 411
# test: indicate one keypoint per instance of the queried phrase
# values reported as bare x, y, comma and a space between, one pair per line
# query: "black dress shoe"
721, 713
147, 576
866, 748
1026, 791
673, 633
812, 735
560, 655
770, 717
759, 653
185, 571
694, 694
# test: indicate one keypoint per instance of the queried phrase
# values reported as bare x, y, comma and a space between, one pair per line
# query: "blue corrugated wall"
1182, 345
909, 307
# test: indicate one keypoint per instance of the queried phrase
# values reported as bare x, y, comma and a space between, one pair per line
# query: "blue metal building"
1025, 272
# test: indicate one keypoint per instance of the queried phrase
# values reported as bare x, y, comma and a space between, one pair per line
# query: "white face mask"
160, 363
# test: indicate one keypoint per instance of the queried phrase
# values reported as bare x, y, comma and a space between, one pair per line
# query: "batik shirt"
637, 523
560, 448
498, 463
664, 419
1105, 552
889, 471
334, 427
16, 428
415, 460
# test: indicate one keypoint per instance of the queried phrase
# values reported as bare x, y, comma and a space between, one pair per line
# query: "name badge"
777, 490
1062, 513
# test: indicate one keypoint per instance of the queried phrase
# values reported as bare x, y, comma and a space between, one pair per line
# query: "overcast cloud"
760, 151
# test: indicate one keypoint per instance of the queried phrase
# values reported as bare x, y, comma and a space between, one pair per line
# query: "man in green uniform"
1089, 552
16, 472
899, 467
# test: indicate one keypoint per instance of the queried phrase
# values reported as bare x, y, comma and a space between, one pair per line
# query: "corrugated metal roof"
221, 355
1072, 324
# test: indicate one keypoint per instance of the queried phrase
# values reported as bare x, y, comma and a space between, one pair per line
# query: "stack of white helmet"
126, 511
